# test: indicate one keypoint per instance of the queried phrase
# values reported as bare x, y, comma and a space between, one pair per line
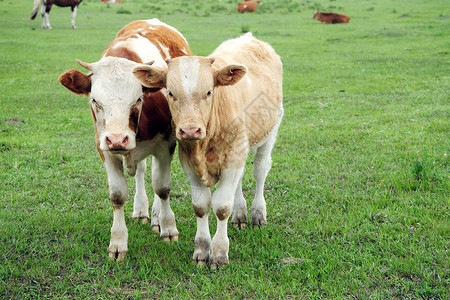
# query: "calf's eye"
172, 96
97, 106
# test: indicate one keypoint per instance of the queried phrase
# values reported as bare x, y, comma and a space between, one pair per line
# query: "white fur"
74, 15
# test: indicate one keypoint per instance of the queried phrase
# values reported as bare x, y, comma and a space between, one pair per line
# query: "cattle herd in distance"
242, 7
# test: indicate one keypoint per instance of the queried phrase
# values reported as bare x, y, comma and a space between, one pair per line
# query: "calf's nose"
190, 133
116, 142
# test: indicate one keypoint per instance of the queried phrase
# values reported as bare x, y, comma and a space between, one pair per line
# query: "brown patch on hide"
155, 117
222, 213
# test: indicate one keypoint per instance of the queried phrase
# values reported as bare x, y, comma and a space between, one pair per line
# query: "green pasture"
358, 196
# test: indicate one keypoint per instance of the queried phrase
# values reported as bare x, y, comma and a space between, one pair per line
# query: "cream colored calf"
223, 106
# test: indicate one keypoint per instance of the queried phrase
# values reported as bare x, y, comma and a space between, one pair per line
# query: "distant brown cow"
330, 18
248, 6
46, 6
111, 1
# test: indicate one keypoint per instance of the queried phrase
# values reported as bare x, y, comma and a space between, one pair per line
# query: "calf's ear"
230, 75
151, 77
76, 82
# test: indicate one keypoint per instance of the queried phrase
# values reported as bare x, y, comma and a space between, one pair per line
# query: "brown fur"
122, 52
330, 18
199, 212
155, 117
247, 6
76, 82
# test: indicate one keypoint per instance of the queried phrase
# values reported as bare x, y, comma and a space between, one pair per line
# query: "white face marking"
249, 81
189, 74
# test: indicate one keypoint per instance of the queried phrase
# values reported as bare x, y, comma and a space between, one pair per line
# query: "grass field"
358, 196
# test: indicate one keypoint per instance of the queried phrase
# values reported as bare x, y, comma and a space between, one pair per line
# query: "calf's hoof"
219, 260
143, 216
239, 222
199, 263
170, 238
144, 220
239, 225
201, 252
117, 255
258, 218
155, 228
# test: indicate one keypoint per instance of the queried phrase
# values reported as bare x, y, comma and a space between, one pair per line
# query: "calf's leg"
140, 207
201, 202
162, 213
74, 15
118, 190
46, 18
222, 202
262, 162
43, 14
239, 207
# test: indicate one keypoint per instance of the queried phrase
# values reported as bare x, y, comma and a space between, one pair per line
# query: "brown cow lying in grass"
330, 18
112, 1
248, 6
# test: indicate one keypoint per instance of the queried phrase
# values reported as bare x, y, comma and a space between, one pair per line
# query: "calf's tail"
35, 9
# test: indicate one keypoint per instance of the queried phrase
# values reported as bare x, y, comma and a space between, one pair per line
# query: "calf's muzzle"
117, 142
190, 133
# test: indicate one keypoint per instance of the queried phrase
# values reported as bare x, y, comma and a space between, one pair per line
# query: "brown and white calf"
47, 6
132, 122
223, 106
